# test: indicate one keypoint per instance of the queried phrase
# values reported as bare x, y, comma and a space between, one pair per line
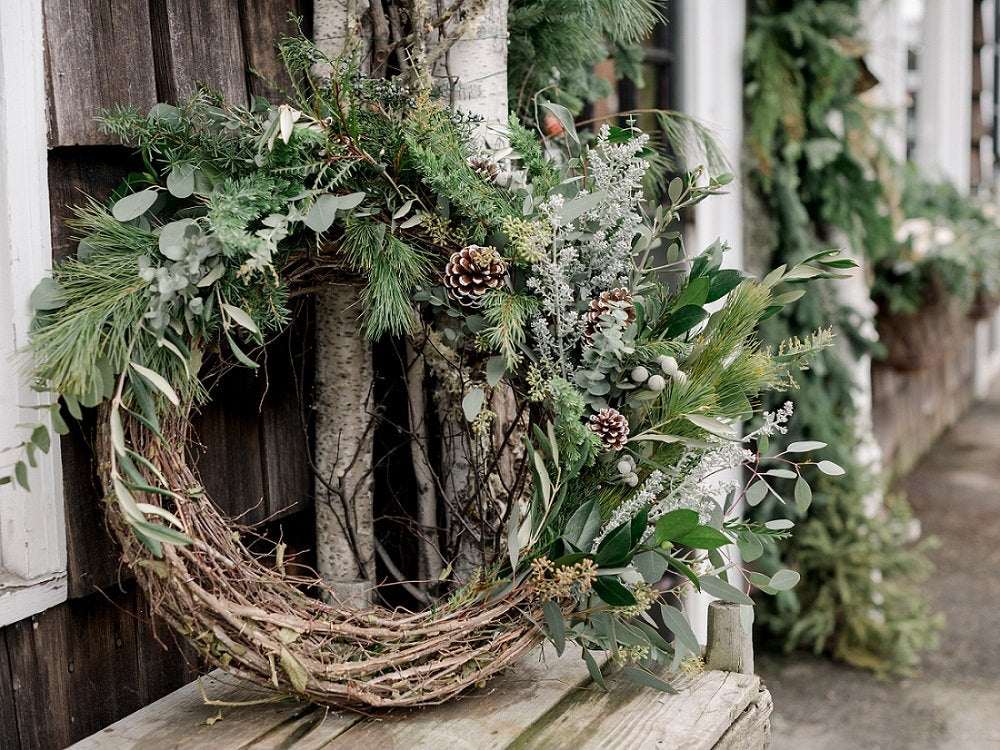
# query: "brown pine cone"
472, 271
612, 426
485, 167
616, 299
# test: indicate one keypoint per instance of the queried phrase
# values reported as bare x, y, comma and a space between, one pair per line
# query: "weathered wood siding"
77, 667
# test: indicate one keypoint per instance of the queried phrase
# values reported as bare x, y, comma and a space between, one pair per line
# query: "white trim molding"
32, 527
712, 33
944, 99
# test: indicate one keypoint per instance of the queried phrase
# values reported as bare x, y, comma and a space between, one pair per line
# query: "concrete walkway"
955, 704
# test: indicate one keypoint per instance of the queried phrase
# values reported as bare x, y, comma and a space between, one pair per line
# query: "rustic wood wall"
77, 667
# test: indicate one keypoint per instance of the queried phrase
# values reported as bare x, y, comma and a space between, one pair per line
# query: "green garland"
802, 109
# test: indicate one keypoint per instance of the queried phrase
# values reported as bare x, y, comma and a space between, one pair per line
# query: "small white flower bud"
656, 383
681, 376
632, 480
639, 374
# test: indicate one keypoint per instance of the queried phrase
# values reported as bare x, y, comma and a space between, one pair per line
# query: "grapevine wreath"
538, 275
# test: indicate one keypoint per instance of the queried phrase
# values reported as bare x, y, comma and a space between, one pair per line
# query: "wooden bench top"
546, 702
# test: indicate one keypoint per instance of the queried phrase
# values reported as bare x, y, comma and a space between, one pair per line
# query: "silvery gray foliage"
617, 170
190, 261
591, 251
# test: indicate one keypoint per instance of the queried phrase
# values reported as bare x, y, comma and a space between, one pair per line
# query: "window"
32, 535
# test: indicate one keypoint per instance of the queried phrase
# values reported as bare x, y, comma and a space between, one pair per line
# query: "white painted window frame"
32, 527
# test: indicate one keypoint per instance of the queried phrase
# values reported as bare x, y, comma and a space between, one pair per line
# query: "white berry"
632, 480
656, 383
639, 374
668, 365
625, 466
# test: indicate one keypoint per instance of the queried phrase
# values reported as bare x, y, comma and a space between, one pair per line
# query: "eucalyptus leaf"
472, 402
723, 590
321, 213
495, 369
158, 382
134, 205
784, 580
594, 669
556, 624
47, 295
803, 495
804, 446
180, 180
647, 679
830, 468
756, 493
713, 426
678, 624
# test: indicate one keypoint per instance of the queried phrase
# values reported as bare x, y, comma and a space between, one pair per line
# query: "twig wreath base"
258, 624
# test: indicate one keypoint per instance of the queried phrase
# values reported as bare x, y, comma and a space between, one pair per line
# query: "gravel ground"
955, 703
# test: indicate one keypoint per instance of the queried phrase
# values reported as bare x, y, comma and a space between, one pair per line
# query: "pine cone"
485, 167
612, 426
472, 271
616, 299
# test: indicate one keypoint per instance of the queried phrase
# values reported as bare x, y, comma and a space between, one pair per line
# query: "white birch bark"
345, 527
473, 72
473, 75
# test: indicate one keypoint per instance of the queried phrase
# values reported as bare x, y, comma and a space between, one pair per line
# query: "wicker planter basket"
923, 339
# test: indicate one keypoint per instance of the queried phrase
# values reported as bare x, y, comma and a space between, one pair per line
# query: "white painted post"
711, 68
32, 533
944, 103
887, 60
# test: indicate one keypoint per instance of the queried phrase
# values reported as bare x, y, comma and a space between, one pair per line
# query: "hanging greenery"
807, 168
517, 275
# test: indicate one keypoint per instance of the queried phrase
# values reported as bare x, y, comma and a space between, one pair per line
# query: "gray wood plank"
198, 42
284, 420
231, 465
638, 718
752, 730
182, 720
487, 719
9, 739
263, 23
98, 55
39, 674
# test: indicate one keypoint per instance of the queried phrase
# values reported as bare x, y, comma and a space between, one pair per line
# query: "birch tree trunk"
473, 73
345, 527
469, 62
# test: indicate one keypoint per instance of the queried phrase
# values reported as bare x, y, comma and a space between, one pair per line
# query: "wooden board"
487, 719
39, 670
637, 717
264, 22
98, 55
230, 462
197, 42
285, 420
539, 704
752, 730
8, 726
80, 665
181, 720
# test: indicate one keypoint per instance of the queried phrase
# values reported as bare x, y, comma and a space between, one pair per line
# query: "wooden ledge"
546, 702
